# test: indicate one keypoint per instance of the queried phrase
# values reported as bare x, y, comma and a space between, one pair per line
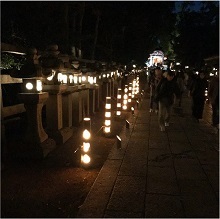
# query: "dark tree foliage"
120, 31
197, 35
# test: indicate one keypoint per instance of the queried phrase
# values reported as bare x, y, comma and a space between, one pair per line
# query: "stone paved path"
159, 174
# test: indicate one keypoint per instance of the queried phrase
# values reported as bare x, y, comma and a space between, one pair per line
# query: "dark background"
116, 31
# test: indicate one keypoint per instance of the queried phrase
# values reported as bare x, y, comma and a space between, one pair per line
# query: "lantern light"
39, 85
85, 148
29, 86
107, 123
125, 98
85, 159
83, 78
32, 85
86, 134
118, 112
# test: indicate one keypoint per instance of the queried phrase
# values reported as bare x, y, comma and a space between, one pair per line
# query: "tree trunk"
82, 12
95, 37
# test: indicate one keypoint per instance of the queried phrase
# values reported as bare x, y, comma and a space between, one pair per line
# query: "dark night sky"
131, 26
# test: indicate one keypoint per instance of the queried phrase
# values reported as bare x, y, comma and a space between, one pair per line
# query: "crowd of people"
167, 87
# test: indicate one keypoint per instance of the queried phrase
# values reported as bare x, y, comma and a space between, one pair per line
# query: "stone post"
37, 143
77, 106
54, 113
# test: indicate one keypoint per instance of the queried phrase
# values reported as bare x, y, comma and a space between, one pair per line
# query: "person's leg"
151, 103
200, 108
168, 113
180, 99
161, 117
215, 114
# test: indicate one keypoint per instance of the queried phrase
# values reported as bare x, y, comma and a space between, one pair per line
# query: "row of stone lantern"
65, 105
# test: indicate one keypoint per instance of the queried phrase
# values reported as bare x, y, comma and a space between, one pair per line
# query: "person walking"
213, 94
197, 92
165, 92
157, 82
151, 85
181, 85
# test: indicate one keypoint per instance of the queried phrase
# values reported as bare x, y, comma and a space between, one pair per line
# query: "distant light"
187, 66
177, 63
83, 78
18, 53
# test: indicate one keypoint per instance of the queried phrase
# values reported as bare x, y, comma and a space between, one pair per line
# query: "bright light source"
86, 134
83, 78
107, 129
108, 106
75, 79
29, 86
125, 101
85, 158
118, 104
59, 77
107, 114
124, 107
64, 78
107, 122
125, 96
50, 78
119, 96
86, 146
39, 85
94, 80
118, 113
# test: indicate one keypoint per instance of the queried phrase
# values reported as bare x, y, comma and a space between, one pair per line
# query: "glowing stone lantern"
107, 124
86, 137
32, 85
118, 112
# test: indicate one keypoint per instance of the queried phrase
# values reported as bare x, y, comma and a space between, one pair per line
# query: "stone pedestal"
85, 100
77, 107
93, 98
54, 114
68, 106
36, 140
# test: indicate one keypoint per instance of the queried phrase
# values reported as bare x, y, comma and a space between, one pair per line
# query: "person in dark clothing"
153, 82
180, 82
197, 92
165, 92
213, 93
